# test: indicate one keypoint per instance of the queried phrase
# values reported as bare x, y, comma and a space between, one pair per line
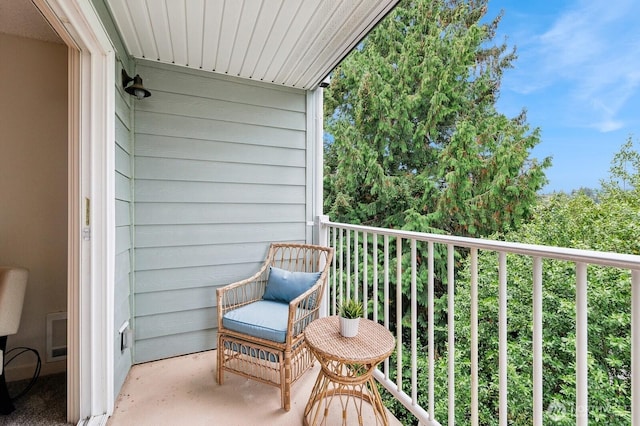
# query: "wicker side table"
347, 366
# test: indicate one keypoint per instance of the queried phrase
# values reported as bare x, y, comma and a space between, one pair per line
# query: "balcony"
365, 268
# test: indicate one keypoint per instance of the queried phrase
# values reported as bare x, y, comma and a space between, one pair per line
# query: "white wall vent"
56, 336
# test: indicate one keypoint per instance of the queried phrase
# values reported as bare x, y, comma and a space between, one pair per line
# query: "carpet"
44, 404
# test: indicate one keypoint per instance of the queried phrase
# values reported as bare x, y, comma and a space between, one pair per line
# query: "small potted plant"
350, 312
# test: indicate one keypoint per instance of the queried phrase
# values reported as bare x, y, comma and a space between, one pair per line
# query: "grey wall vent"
56, 336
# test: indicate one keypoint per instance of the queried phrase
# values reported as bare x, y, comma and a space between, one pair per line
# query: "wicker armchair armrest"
240, 293
305, 308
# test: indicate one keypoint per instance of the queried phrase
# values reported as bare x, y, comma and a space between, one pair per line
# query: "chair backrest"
299, 257
13, 284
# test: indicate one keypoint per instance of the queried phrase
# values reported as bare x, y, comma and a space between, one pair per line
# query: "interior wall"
33, 185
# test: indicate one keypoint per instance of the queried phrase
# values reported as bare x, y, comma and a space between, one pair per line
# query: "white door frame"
91, 252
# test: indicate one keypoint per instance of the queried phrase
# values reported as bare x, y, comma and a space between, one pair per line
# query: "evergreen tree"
417, 141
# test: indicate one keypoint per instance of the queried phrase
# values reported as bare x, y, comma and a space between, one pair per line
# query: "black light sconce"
136, 89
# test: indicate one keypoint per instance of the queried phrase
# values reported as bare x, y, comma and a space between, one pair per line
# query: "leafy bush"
608, 221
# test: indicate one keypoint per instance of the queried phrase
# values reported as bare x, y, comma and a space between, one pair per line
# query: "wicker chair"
247, 343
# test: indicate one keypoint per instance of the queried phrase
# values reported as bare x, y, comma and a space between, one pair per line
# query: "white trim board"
91, 165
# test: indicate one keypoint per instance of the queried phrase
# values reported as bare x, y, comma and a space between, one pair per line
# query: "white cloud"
608, 126
591, 52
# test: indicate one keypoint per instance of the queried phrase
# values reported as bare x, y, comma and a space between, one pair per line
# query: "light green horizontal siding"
123, 187
123, 239
123, 232
123, 213
123, 135
183, 342
153, 123
214, 150
123, 162
219, 173
176, 191
160, 77
213, 171
166, 103
175, 301
175, 323
216, 213
192, 277
228, 233
200, 255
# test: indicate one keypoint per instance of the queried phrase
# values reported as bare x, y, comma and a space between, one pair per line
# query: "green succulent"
350, 309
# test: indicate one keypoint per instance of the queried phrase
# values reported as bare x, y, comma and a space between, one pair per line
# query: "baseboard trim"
22, 372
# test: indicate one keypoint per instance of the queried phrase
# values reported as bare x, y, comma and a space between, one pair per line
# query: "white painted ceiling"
22, 18
294, 43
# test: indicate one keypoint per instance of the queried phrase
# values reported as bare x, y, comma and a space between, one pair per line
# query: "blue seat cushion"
284, 286
265, 319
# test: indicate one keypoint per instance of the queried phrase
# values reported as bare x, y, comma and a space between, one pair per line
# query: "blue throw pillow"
284, 286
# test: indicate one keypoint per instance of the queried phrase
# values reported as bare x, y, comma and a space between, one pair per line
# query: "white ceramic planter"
349, 326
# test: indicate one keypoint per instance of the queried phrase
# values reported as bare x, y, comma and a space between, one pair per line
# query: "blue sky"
578, 76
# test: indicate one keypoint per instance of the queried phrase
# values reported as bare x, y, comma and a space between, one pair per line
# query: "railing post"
348, 259
365, 274
582, 367
414, 325
323, 240
451, 332
323, 230
474, 337
635, 347
385, 290
334, 278
356, 266
375, 277
502, 338
537, 341
399, 313
431, 313
340, 290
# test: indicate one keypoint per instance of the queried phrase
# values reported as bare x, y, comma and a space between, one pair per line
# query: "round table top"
373, 342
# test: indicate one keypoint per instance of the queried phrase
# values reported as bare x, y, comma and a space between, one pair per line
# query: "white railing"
350, 270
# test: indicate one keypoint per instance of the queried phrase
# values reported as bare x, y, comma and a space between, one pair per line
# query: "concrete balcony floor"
183, 390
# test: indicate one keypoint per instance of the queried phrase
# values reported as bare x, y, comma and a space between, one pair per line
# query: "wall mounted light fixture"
136, 89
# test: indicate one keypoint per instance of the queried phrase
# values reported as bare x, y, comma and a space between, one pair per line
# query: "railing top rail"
618, 260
